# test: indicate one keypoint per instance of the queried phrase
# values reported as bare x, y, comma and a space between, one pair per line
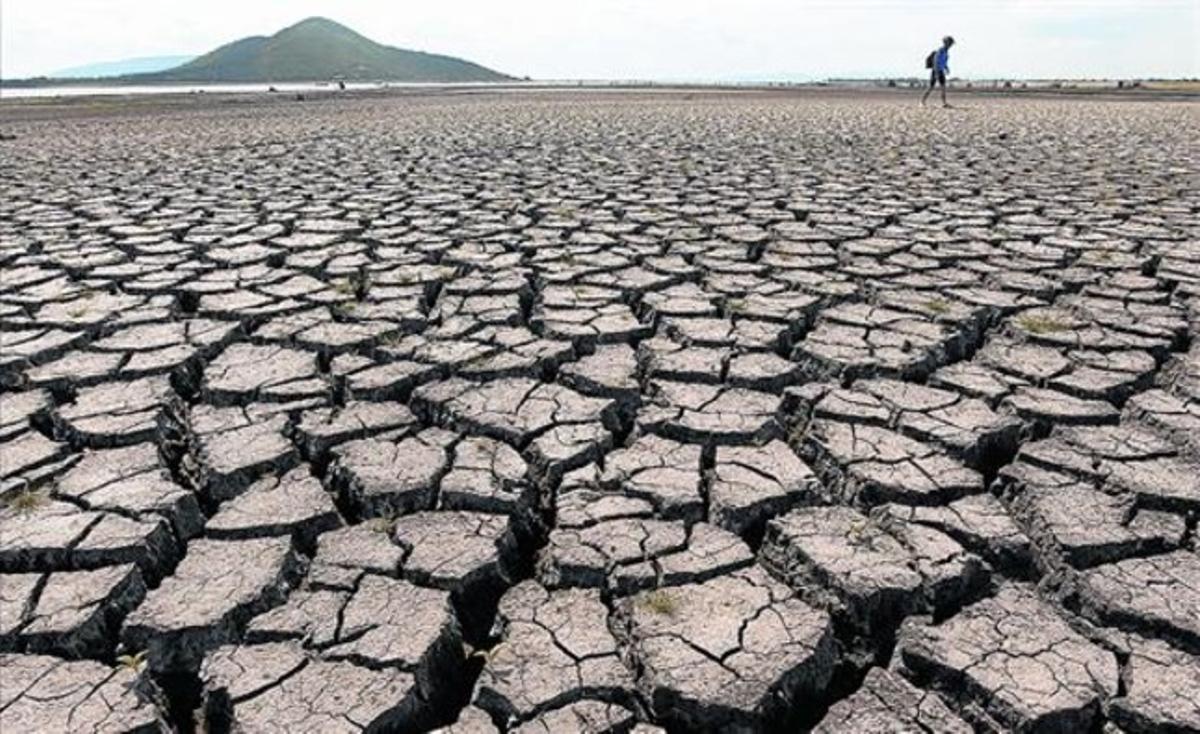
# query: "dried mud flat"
601, 412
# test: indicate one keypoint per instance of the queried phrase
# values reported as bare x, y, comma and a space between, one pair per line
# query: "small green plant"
659, 601
132, 662
858, 531
27, 501
864, 534
1041, 323
381, 524
486, 654
798, 431
77, 312
499, 657
345, 308
353, 286
936, 306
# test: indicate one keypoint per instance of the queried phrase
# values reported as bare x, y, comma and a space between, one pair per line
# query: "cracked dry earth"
614, 412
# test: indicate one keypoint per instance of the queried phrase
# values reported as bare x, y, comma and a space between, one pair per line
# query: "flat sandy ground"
579, 411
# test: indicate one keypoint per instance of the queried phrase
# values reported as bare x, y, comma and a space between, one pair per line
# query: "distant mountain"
141, 65
319, 49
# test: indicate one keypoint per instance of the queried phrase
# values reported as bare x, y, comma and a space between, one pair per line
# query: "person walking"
938, 63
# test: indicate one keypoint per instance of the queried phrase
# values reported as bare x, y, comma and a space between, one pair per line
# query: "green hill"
318, 49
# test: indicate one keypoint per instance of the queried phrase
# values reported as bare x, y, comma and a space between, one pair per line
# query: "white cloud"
674, 39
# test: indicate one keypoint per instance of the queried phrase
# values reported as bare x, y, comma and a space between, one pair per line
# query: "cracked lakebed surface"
636, 412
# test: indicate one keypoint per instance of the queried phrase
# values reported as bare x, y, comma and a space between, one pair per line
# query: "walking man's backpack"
929, 59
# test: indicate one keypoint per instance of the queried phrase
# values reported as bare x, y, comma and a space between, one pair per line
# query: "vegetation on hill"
319, 49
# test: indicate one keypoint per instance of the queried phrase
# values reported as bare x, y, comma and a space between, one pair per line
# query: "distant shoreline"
11, 91
139, 80
93, 88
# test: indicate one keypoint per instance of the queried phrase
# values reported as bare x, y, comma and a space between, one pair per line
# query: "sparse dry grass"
27, 501
659, 601
1040, 323
936, 306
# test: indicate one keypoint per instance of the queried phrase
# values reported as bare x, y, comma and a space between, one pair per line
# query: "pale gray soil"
600, 411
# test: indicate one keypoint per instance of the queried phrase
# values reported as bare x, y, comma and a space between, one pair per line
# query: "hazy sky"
648, 39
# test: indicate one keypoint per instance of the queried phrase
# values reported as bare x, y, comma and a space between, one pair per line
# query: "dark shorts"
937, 77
